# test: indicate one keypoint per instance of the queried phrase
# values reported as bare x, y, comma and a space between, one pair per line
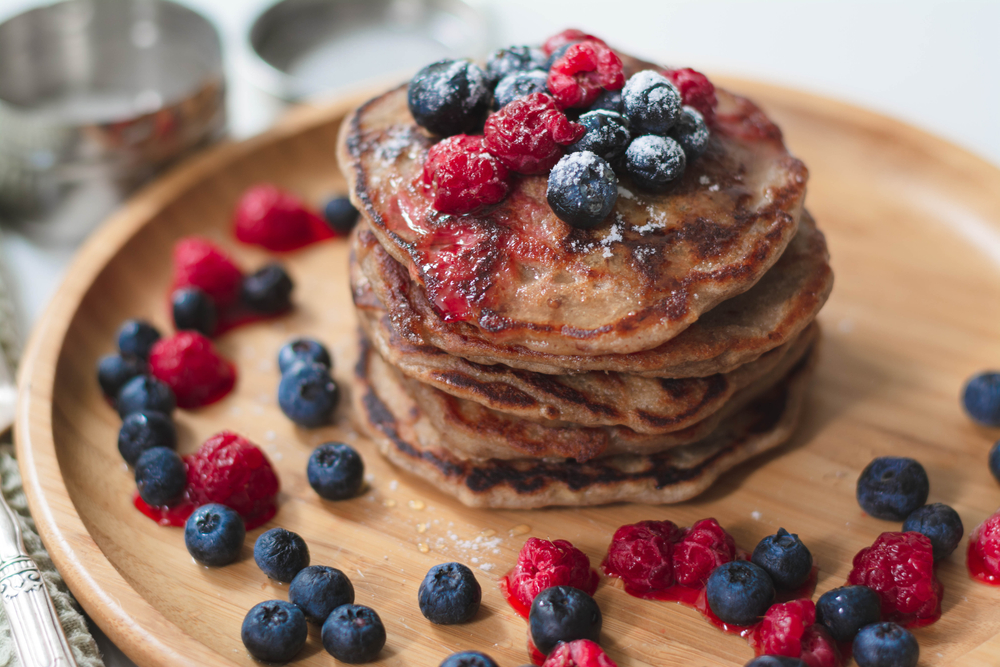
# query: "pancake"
730, 335
520, 276
405, 437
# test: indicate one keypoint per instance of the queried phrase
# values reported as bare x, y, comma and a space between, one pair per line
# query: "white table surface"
934, 64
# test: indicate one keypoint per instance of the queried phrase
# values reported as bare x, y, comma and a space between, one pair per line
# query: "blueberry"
847, 609
450, 97
776, 661
519, 84
160, 476
557, 54
268, 290
145, 392
303, 349
145, 430
785, 559
513, 59
469, 659
274, 631
114, 370
317, 590
335, 471
941, 524
607, 135
449, 594
739, 592
691, 132
353, 633
341, 215
582, 189
609, 100
214, 535
981, 398
651, 102
994, 461
891, 487
280, 554
308, 395
886, 645
136, 338
654, 162
194, 310
563, 614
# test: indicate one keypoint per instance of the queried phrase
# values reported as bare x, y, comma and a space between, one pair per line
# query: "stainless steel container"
95, 97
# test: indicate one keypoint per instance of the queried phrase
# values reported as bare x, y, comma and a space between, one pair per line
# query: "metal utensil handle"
34, 624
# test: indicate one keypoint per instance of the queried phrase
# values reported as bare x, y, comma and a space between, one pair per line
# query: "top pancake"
524, 277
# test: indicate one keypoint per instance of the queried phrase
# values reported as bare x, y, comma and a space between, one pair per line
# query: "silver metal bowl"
95, 97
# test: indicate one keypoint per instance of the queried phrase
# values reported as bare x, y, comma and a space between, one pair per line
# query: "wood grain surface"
913, 225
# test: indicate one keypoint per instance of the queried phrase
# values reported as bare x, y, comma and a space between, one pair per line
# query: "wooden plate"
914, 230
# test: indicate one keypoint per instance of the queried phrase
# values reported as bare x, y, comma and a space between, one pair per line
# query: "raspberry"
542, 564
783, 627
579, 653
696, 90
199, 263
464, 177
900, 568
527, 135
641, 554
274, 219
188, 363
704, 547
984, 550
230, 470
584, 72
819, 649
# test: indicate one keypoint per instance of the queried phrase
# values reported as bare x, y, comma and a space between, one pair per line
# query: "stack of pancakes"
515, 361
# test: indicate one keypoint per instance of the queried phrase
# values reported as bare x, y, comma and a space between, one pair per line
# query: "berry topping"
308, 395
136, 337
199, 263
891, 487
317, 590
274, 631
819, 649
900, 568
464, 177
449, 97
981, 398
188, 363
704, 547
586, 69
847, 609
276, 220
609, 100
579, 653
652, 104
214, 535
691, 133
739, 593
340, 215
268, 290
469, 659
942, 526
335, 471
563, 614
886, 645
775, 661
984, 550
280, 554
230, 470
145, 430
781, 631
567, 37
504, 62
654, 162
528, 134
353, 633
194, 310
145, 392
114, 370
607, 135
449, 594
696, 90
542, 564
303, 349
582, 189
642, 555
516, 85
785, 559
160, 476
